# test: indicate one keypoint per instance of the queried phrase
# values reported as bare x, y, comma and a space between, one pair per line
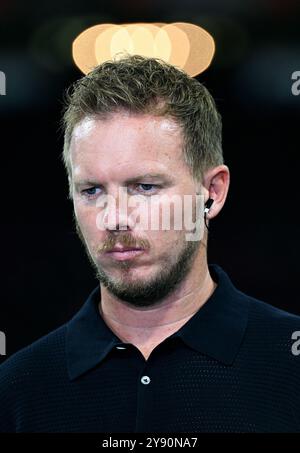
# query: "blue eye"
146, 188
147, 185
87, 192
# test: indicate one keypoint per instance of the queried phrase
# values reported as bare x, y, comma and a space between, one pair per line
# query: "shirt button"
145, 380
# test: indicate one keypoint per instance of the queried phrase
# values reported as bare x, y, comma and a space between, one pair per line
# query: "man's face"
106, 155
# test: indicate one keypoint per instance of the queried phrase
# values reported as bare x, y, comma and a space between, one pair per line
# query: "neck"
173, 310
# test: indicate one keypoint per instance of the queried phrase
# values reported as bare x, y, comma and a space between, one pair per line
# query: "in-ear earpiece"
207, 209
208, 205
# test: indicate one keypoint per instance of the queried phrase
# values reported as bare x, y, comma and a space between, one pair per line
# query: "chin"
138, 274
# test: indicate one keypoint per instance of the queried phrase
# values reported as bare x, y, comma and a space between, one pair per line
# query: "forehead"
125, 141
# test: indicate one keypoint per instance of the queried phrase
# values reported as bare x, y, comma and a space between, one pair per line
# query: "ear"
216, 185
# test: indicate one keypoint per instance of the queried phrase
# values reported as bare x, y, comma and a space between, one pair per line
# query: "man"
165, 342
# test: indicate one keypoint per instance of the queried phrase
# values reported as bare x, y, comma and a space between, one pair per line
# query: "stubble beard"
150, 292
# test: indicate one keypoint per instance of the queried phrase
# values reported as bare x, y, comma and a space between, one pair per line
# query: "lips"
123, 249
124, 253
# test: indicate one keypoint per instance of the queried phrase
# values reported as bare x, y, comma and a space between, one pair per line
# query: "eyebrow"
167, 179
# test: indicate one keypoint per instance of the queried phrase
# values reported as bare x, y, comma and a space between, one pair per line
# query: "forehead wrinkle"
87, 130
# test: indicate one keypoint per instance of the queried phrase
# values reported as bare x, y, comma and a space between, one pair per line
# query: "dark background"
46, 275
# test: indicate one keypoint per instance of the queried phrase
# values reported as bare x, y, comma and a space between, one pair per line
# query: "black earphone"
207, 209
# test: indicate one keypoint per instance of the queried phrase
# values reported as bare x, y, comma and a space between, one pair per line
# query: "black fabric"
230, 368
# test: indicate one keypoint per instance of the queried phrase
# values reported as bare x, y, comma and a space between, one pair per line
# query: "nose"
116, 213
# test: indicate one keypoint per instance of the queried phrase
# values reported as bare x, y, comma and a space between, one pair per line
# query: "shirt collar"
216, 329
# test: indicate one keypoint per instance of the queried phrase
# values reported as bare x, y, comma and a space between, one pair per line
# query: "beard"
149, 292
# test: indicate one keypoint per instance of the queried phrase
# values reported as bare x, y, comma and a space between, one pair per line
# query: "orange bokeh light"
181, 44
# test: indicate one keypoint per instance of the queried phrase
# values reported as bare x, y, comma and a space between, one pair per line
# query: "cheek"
171, 216
163, 219
87, 220
159, 217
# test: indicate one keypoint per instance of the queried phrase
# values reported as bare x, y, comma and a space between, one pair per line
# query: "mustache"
125, 240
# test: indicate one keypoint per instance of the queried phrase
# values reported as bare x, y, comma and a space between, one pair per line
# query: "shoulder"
273, 335
29, 368
276, 318
35, 355
42, 354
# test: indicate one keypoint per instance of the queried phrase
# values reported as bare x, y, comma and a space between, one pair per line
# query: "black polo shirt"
231, 368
